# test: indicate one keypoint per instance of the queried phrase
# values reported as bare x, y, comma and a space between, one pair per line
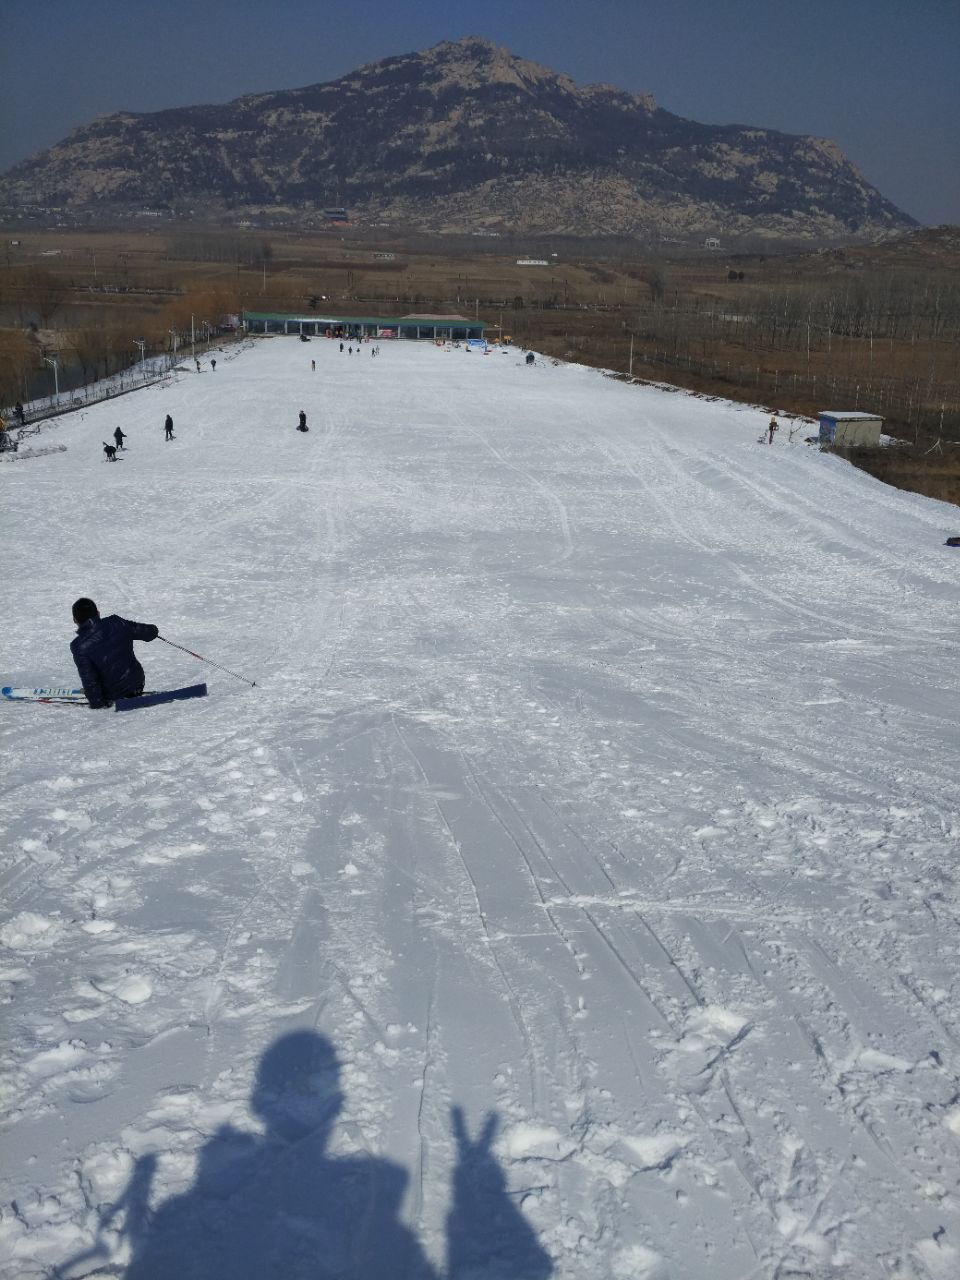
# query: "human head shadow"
281, 1203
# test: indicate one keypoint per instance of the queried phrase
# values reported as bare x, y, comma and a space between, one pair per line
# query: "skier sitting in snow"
103, 652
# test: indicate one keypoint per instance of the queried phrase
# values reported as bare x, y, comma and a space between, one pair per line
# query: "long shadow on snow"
279, 1205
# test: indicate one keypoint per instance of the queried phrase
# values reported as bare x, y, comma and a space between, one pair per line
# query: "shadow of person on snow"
279, 1204
488, 1238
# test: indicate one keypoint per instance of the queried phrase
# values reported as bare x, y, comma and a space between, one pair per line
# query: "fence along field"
871, 328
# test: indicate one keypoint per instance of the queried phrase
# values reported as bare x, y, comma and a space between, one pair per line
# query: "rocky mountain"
465, 136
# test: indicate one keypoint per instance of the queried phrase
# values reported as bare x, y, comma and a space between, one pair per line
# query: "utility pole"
53, 360
630, 366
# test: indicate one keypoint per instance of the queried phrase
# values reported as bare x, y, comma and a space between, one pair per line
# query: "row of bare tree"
890, 306
109, 343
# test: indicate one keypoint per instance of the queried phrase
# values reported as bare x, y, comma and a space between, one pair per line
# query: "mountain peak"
472, 62
462, 135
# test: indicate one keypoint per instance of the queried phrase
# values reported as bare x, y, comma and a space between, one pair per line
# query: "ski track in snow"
601, 781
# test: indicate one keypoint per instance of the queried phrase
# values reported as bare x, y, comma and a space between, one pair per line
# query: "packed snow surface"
575, 895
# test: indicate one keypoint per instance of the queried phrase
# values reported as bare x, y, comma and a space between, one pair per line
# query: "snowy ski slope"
575, 895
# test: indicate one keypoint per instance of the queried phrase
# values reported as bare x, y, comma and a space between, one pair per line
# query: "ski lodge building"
432, 327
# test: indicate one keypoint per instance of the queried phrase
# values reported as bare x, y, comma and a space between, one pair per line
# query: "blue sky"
881, 78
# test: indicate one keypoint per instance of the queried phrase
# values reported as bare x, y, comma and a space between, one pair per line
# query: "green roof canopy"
409, 325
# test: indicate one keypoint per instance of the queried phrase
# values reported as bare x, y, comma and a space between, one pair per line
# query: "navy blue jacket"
103, 652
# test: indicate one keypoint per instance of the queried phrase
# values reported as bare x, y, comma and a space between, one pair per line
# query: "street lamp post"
54, 360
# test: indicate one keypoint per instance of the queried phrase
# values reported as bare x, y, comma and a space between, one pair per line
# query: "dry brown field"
874, 328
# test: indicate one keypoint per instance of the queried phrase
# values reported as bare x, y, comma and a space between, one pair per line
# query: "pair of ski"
77, 698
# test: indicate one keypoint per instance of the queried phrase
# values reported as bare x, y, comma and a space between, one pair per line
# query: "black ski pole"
252, 683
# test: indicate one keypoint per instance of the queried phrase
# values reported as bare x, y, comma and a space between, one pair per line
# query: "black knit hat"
84, 609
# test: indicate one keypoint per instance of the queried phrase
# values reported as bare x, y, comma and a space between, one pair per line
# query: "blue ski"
153, 699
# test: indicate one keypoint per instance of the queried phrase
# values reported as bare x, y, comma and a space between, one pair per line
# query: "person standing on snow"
302, 424
168, 428
773, 428
103, 652
119, 436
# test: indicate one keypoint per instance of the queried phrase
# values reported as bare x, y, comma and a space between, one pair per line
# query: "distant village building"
711, 242
849, 428
384, 257
532, 262
336, 215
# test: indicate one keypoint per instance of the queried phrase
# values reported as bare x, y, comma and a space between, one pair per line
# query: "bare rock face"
464, 136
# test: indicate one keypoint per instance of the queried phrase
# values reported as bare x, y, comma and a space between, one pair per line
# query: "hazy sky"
880, 77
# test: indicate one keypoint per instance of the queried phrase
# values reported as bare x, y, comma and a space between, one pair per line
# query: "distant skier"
772, 429
103, 652
341, 346
213, 366
168, 428
120, 436
198, 365
111, 451
18, 410
313, 366
302, 424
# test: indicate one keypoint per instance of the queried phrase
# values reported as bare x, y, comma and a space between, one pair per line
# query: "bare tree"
90, 345
45, 292
19, 354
